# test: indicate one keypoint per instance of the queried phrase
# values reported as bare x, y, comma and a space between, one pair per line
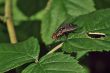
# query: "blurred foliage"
102, 4
27, 29
1, 7
24, 26
3, 33
23, 12
31, 7
40, 18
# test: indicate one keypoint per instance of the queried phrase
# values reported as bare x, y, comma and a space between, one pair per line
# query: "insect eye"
54, 36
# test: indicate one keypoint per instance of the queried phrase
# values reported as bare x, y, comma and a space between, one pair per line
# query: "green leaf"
80, 54
23, 31
17, 14
55, 63
27, 11
2, 1
15, 55
94, 22
59, 10
86, 44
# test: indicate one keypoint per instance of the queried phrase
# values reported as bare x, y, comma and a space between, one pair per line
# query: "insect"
96, 35
64, 30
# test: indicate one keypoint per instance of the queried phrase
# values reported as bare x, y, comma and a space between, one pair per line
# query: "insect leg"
66, 35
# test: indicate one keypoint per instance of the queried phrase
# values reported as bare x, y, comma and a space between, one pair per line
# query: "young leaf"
59, 10
55, 63
15, 55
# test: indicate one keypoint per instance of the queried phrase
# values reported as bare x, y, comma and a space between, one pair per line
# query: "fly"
64, 30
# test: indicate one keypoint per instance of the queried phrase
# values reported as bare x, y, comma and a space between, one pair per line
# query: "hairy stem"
9, 21
52, 51
55, 48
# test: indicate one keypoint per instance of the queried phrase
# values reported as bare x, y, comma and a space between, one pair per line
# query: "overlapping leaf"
93, 22
86, 44
59, 10
55, 63
12, 56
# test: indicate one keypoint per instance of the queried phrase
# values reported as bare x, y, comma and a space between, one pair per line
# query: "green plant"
27, 39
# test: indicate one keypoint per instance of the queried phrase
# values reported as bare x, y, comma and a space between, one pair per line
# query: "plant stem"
1, 18
52, 51
9, 21
55, 48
